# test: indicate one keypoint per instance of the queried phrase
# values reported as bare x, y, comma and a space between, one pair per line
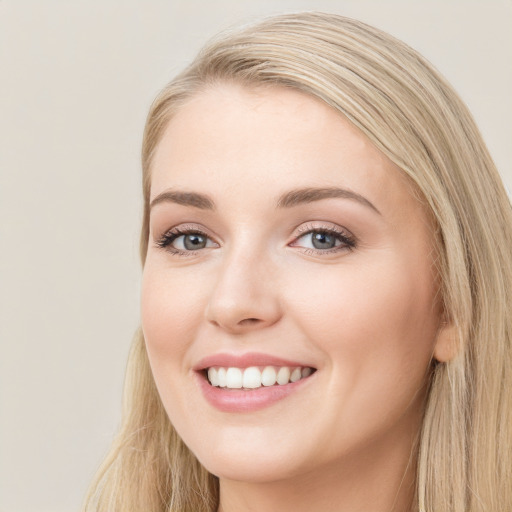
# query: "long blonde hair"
414, 117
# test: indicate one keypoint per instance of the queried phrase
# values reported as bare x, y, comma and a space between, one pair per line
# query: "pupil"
323, 241
193, 242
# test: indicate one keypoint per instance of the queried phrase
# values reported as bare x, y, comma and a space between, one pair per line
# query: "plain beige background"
76, 80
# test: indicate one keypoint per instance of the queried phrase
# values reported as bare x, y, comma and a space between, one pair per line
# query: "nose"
245, 295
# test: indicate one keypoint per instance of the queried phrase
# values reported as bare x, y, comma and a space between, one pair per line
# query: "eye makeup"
321, 239
312, 238
185, 240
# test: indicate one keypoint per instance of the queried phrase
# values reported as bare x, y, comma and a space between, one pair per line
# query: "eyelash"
348, 241
166, 240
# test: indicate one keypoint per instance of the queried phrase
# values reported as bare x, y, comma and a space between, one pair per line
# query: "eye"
321, 240
181, 241
190, 242
324, 240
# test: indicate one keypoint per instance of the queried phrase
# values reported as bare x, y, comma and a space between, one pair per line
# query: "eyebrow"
311, 194
287, 200
201, 201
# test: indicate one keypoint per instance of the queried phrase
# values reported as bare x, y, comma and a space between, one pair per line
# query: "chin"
250, 470
249, 462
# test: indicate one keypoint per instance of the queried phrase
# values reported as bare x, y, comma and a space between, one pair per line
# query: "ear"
447, 343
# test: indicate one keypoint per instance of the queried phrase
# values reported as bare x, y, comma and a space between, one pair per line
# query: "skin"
365, 317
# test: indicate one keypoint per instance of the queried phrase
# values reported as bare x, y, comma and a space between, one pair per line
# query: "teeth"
221, 378
269, 376
234, 378
306, 372
283, 375
213, 376
254, 377
295, 375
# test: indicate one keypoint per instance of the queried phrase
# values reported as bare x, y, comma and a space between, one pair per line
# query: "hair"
414, 117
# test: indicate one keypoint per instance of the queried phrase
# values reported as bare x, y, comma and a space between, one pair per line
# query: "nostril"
249, 321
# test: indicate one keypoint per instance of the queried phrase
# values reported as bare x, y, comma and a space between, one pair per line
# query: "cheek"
170, 313
376, 324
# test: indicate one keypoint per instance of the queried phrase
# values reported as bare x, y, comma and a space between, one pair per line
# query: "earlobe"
447, 343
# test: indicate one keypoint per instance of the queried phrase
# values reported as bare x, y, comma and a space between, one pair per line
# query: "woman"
326, 291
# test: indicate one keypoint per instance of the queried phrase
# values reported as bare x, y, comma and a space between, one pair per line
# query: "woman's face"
280, 237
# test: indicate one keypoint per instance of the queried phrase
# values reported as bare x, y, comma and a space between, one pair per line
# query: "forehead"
270, 139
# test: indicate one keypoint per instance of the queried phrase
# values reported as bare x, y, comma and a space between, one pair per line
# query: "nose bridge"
243, 297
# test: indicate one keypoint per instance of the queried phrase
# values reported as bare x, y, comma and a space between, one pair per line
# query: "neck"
380, 478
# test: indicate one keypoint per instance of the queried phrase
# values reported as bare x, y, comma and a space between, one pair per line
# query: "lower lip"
242, 400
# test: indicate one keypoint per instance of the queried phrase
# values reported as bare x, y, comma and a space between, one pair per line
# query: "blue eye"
179, 241
325, 240
190, 242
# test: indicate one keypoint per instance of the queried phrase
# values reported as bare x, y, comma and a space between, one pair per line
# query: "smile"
255, 377
242, 383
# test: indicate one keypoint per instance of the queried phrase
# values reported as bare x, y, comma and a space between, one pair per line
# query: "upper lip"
246, 360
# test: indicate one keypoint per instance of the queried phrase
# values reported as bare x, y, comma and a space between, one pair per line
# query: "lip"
246, 360
241, 400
